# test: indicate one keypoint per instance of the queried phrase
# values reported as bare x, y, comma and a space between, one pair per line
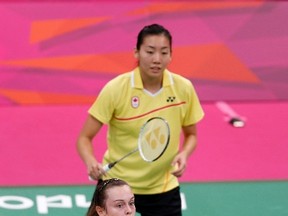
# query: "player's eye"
119, 205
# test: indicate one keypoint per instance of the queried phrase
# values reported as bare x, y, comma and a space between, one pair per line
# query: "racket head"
153, 139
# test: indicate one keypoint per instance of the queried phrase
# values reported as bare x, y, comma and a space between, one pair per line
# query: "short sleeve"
194, 112
103, 107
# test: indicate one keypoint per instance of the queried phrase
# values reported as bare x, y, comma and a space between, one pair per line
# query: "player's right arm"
85, 147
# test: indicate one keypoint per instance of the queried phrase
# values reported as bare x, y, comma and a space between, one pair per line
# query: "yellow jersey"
125, 106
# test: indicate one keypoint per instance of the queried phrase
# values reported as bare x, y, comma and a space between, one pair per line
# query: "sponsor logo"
171, 99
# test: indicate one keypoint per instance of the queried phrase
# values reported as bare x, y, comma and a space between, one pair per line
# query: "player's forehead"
119, 193
156, 42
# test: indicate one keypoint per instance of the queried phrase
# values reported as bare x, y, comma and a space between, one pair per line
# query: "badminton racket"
153, 140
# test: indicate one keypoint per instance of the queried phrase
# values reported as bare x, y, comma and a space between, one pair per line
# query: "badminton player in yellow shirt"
125, 104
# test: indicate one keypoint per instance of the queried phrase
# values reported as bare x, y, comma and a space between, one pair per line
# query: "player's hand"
179, 164
95, 170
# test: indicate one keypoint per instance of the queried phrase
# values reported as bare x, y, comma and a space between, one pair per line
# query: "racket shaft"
107, 167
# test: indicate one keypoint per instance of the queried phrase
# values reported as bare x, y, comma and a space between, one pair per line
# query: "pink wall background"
55, 56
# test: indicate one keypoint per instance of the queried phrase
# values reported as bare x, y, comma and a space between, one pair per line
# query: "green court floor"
199, 199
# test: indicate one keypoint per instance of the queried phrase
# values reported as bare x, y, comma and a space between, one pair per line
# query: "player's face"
154, 56
120, 202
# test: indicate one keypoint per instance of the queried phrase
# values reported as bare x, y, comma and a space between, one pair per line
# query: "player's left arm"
189, 145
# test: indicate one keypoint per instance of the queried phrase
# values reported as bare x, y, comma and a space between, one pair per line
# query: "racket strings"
155, 137
154, 140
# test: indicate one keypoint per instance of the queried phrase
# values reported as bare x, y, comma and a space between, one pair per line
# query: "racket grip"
107, 167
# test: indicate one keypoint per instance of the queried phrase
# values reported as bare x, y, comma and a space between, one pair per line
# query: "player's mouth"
155, 69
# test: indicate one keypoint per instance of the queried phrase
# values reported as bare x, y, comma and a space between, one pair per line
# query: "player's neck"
152, 89
152, 85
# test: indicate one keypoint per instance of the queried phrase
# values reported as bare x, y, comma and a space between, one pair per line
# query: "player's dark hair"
154, 29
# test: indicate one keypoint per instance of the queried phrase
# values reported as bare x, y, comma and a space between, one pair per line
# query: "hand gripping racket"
153, 140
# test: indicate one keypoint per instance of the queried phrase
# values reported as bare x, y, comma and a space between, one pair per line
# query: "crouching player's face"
119, 202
